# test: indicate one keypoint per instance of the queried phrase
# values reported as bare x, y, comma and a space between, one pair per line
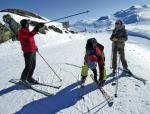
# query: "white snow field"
136, 18
65, 53
133, 95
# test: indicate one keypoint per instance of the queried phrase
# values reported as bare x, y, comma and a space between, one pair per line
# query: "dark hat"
119, 21
23, 22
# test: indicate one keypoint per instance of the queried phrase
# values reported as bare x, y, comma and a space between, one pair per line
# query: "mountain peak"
146, 6
134, 14
134, 7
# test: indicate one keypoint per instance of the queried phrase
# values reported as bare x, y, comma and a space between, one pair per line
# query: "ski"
28, 85
56, 87
108, 98
134, 76
43, 84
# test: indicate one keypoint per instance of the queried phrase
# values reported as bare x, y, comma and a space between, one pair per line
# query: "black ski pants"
30, 63
122, 57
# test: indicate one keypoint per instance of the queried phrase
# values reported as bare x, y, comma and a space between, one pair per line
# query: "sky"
53, 9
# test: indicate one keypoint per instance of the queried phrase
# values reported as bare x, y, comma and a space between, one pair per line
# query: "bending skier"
118, 38
29, 49
94, 55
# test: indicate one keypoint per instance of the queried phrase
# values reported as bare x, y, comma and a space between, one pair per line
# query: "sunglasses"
117, 23
29, 21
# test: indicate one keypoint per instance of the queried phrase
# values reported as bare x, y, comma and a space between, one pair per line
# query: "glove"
114, 39
37, 50
38, 26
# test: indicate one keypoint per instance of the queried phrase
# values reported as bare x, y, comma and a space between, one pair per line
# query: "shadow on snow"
65, 98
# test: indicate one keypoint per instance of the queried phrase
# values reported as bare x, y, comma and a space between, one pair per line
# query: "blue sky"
53, 9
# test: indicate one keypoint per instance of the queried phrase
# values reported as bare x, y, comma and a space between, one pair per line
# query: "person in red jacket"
29, 49
94, 55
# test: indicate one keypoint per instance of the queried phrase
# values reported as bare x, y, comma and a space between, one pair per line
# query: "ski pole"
73, 65
112, 49
49, 66
117, 74
111, 57
68, 16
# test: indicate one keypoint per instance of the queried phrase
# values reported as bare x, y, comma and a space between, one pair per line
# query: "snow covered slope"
19, 100
51, 38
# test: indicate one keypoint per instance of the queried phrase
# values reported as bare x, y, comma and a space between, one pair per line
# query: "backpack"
91, 46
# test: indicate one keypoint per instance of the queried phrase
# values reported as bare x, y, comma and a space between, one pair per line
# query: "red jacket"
27, 40
98, 57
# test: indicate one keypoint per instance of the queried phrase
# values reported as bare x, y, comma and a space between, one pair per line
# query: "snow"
16, 99
136, 19
59, 49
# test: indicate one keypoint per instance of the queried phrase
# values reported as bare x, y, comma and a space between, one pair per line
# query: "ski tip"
49, 94
52, 94
58, 87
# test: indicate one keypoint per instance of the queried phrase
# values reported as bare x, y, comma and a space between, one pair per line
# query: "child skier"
94, 55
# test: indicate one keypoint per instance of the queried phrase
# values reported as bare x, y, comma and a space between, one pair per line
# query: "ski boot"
32, 81
126, 70
83, 78
101, 83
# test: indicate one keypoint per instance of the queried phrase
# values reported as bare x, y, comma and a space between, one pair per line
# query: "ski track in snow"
133, 95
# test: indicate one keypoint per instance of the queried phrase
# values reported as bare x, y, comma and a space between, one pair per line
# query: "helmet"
91, 46
23, 22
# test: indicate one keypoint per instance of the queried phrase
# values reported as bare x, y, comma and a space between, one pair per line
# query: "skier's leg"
114, 59
101, 72
33, 64
95, 74
25, 73
33, 58
84, 72
122, 58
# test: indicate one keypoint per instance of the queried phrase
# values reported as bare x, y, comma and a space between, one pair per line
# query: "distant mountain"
137, 14
134, 14
92, 24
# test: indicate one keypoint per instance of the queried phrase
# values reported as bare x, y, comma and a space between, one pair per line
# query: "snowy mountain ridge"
137, 16
134, 14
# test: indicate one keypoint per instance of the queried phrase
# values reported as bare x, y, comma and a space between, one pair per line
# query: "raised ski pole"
50, 66
67, 16
117, 74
